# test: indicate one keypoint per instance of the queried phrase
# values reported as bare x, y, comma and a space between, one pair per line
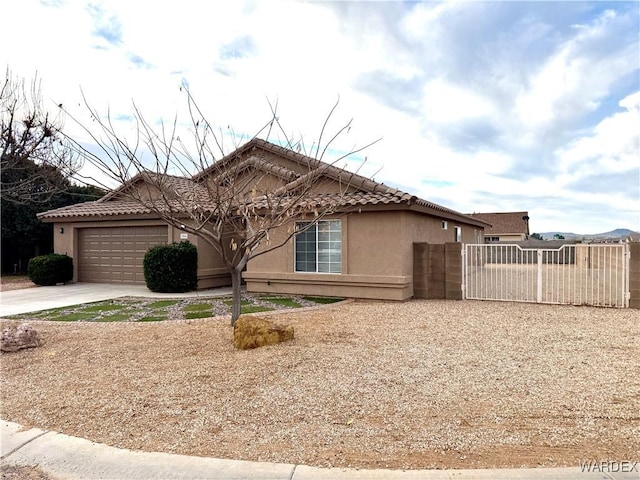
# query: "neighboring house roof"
361, 192
504, 223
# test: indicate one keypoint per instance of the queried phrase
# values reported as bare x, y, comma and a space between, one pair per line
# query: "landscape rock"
254, 332
18, 337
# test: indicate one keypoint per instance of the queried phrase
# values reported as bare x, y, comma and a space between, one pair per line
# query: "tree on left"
35, 159
36, 164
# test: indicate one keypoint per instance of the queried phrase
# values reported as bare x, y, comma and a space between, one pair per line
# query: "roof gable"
147, 184
290, 170
503, 223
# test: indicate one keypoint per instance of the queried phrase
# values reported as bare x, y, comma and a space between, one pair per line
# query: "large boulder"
254, 332
18, 337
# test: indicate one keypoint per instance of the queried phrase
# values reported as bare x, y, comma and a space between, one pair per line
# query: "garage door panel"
115, 254
129, 261
129, 277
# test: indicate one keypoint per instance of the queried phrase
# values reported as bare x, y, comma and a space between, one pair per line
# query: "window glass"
319, 247
458, 234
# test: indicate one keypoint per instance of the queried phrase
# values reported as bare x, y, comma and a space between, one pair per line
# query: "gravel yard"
15, 282
420, 384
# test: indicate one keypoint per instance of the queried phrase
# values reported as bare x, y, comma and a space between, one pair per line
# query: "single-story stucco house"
363, 249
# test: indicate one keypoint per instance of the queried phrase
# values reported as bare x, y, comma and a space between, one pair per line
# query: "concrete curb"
73, 458
76, 458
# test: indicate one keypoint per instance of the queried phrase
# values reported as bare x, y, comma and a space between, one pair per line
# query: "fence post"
453, 271
634, 275
463, 254
539, 292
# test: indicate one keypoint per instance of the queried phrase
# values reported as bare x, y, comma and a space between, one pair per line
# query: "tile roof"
253, 161
263, 145
337, 200
504, 222
179, 190
97, 208
177, 185
367, 192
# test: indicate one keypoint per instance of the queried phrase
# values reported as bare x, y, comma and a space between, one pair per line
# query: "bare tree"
221, 200
35, 159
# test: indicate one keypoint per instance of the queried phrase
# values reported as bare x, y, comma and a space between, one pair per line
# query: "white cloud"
575, 79
482, 106
447, 103
613, 146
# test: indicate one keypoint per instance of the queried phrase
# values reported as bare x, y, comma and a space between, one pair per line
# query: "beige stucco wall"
369, 270
252, 182
211, 269
377, 257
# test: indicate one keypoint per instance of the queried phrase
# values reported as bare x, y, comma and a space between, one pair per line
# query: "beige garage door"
114, 255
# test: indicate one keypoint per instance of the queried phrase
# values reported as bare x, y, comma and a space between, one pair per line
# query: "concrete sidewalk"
25, 300
74, 458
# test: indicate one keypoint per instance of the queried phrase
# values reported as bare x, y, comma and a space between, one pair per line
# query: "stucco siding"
372, 263
251, 182
374, 244
212, 271
426, 229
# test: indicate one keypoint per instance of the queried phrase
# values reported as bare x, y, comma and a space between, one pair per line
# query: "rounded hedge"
171, 268
50, 269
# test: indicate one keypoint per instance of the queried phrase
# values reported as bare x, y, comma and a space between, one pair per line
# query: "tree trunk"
236, 283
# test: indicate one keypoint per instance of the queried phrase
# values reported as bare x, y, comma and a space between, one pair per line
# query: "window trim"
445, 225
317, 250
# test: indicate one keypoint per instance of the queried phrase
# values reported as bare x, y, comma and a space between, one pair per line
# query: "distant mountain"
613, 234
618, 232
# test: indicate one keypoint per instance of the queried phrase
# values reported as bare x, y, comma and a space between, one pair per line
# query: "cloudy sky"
481, 106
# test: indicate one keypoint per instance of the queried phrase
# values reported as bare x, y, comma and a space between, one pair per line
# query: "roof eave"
447, 215
100, 217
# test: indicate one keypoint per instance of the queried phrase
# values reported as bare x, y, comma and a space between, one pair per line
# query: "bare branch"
35, 161
237, 204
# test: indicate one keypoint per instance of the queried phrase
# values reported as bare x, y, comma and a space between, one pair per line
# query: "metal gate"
579, 274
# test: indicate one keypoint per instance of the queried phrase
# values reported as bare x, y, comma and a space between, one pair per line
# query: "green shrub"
50, 269
171, 268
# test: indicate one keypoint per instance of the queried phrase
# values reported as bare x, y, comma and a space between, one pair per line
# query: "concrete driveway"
34, 299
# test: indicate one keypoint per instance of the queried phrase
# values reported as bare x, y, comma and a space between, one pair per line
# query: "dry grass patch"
422, 384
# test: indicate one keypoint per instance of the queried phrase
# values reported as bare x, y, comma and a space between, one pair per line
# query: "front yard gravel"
136, 309
420, 384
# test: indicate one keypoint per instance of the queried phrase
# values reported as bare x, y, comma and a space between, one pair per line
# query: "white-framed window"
318, 248
458, 234
444, 225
